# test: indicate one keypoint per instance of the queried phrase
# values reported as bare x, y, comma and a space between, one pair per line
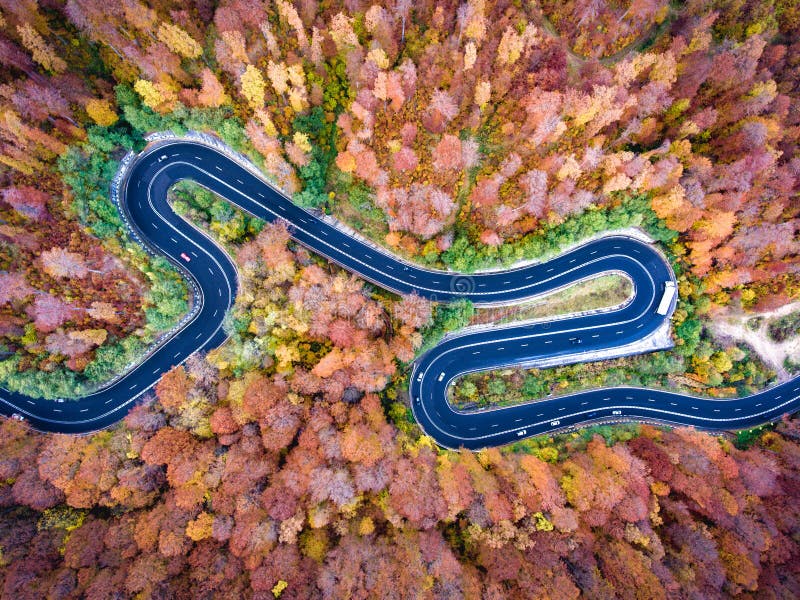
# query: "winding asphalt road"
214, 281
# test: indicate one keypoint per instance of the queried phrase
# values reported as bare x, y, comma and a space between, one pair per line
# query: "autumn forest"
286, 463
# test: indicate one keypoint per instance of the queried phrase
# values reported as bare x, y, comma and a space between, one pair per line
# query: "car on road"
185, 257
554, 423
441, 376
419, 377
616, 412
162, 157
522, 432
59, 400
575, 340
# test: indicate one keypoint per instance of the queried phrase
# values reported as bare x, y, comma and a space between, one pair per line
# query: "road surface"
214, 279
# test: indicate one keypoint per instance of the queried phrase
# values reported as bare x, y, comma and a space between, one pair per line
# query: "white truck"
670, 290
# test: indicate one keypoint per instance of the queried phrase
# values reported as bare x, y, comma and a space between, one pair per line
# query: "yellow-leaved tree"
252, 83
157, 96
179, 41
149, 93
40, 49
101, 112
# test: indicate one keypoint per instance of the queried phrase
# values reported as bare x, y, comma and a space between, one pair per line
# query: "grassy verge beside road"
605, 291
